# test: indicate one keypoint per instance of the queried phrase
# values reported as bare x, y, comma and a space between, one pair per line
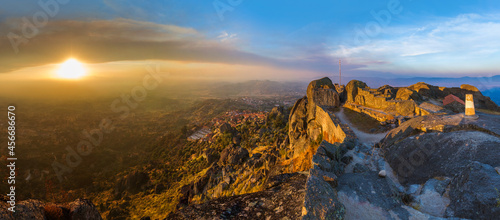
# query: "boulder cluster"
33, 209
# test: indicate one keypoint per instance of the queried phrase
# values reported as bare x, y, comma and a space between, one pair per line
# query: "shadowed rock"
80, 209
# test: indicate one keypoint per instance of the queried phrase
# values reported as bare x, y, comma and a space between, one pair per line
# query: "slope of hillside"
304, 162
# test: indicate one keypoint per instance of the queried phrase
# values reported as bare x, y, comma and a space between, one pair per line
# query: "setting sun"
71, 69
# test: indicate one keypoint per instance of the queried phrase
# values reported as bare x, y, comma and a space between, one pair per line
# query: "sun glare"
71, 69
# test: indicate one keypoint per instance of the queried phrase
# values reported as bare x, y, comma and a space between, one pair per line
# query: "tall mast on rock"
340, 74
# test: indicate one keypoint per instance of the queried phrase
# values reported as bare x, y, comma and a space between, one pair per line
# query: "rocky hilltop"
433, 164
341, 152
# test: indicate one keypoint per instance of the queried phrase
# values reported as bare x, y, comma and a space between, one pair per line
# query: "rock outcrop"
321, 197
388, 104
475, 192
322, 92
282, 200
80, 209
352, 89
446, 163
407, 94
311, 119
433, 166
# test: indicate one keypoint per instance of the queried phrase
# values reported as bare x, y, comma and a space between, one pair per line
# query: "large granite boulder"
406, 108
475, 192
407, 94
387, 91
321, 200
80, 209
418, 158
352, 89
427, 90
437, 148
323, 93
298, 125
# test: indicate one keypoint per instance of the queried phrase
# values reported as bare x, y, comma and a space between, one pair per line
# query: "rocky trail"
363, 137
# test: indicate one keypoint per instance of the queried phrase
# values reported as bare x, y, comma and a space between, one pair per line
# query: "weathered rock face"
352, 89
366, 98
282, 200
427, 90
441, 123
407, 94
310, 119
321, 198
463, 151
320, 201
367, 196
387, 91
80, 209
308, 124
322, 92
480, 101
475, 192
419, 158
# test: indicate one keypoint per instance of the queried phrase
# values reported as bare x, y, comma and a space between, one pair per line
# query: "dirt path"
362, 136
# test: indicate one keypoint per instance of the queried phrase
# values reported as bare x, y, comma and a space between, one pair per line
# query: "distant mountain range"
489, 86
494, 94
260, 88
482, 83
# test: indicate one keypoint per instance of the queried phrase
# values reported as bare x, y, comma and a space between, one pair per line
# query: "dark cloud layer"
123, 39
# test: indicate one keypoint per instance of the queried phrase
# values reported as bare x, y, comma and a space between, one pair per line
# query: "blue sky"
387, 38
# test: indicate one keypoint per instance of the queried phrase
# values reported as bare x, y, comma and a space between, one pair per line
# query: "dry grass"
362, 121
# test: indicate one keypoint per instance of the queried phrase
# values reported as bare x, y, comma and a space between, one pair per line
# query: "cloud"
225, 37
463, 44
100, 41
114, 40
